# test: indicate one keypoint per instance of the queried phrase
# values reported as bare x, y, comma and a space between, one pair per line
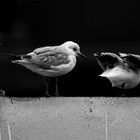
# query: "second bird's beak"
82, 55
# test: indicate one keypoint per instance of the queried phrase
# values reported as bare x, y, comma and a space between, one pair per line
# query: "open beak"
82, 55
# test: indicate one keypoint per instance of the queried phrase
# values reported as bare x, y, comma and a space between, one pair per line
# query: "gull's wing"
44, 49
122, 54
107, 60
47, 59
131, 60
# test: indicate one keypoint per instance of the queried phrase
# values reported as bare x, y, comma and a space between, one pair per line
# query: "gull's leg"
53, 86
56, 86
123, 93
46, 81
11, 100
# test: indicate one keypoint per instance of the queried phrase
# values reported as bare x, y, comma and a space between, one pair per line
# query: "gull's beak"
97, 54
82, 55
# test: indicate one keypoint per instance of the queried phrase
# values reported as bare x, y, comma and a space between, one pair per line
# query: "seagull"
49, 61
123, 70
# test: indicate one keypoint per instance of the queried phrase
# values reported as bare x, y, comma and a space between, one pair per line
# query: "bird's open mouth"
98, 55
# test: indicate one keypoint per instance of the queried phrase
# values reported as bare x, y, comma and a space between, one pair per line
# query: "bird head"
73, 48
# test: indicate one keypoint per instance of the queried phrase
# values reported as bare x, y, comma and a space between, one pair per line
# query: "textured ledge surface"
70, 118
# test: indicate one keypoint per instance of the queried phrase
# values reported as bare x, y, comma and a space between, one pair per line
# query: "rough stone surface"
70, 118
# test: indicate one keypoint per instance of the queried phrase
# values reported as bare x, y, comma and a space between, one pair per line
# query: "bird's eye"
74, 49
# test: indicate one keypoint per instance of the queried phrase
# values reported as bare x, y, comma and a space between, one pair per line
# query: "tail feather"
12, 57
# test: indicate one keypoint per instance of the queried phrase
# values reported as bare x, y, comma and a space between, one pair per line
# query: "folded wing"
46, 60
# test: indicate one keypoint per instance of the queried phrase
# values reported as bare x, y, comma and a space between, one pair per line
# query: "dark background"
102, 25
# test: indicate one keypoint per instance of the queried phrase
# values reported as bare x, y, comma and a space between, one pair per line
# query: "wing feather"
108, 60
46, 60
44, 50
132, 61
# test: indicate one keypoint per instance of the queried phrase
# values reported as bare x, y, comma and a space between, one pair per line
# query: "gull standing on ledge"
123, 70
49, 61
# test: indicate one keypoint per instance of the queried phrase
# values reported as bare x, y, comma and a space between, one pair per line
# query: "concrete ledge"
72, 118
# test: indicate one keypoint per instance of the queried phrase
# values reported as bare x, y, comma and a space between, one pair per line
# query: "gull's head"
73, 48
